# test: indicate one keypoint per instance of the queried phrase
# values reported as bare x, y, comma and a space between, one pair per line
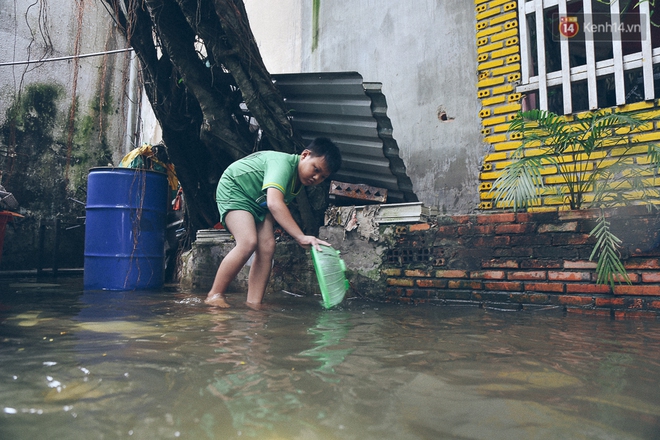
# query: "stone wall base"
506, 260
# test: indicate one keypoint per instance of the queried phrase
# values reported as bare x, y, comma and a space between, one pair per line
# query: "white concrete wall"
32, 30
424, 54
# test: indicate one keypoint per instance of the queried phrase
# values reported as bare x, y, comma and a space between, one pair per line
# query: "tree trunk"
205, 79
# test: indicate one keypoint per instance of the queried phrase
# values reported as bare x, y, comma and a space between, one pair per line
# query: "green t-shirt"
244, 183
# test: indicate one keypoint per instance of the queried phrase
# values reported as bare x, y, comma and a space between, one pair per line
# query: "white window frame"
616, 65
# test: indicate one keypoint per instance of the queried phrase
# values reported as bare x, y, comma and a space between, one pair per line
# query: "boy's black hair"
324, 147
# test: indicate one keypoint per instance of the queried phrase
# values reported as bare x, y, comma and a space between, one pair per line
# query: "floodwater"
159, 365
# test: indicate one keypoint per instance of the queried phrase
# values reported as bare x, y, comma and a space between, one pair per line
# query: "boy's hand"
282, 215
308, 241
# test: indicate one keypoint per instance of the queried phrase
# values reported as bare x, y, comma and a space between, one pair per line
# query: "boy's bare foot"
216, 300
254, 306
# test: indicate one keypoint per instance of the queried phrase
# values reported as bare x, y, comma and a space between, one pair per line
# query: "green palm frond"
609, 267
601, 126
593, 155
520, 185
546, 128
654, 157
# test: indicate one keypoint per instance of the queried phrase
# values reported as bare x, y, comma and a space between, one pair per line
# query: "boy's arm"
283, 217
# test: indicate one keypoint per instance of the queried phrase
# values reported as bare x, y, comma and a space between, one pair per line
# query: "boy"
253, 194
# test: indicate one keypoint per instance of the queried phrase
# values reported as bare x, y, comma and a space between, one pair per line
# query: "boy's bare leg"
242, 226
263, 262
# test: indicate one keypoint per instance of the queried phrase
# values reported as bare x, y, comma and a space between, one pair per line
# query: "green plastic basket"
330, 273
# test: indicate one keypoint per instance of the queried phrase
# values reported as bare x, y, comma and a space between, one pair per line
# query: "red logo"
568, 26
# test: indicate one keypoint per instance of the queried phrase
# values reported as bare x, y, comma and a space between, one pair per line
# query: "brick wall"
525, 260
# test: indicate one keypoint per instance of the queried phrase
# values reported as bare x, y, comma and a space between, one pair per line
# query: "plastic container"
125, 224
330, 270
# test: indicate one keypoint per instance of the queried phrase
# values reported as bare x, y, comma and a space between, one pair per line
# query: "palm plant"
593, 157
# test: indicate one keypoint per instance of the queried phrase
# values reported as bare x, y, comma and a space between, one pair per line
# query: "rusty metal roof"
353, 114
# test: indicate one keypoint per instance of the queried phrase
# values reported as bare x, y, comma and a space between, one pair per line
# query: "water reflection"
330, 329
256, 397
162, 365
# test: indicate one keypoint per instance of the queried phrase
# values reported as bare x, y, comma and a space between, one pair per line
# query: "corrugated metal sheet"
353, 114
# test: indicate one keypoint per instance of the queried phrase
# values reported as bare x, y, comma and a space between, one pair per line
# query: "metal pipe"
68, 57
131, 112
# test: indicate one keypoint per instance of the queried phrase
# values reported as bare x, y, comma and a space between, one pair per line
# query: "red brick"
651, 263
509, 286
569, 276
579, 214
524, 217
569, 239
609, 302
432, 284
533, 275
465, 230
464, 284
642, 290
634, 278
484, 229
394, 291
446, 230
491, 241
530, 240
651, 277
561, 227
404, 282
419, 227
638, 314
497, 218
415, 293
515, 228
417, 273
583, 264
587, 288
654, 305
451, 274
453, 294
529, 298
574, 300
530, 263
545, 287
462, 218
512, 251
488, 274
391, 272
593, 312
504, 264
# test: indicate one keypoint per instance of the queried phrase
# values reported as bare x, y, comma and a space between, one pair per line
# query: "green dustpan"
330, 273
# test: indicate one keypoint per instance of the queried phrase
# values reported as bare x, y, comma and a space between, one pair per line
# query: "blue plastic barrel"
125, 224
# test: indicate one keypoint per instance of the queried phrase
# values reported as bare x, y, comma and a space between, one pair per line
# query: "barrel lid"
113, 168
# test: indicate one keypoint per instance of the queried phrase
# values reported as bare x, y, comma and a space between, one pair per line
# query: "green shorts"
231, 197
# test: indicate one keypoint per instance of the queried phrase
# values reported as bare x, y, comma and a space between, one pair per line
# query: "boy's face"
312, 170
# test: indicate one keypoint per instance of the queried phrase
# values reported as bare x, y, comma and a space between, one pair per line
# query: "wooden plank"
540, 51
617, 54
647, 50
567, 93
525, 50
591, 58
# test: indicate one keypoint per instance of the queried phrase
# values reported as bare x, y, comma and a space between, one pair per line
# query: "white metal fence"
621, 45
